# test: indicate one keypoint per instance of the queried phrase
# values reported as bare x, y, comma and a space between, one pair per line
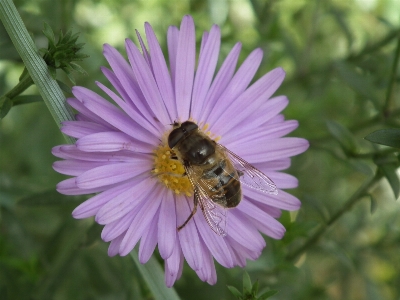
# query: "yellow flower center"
171, 172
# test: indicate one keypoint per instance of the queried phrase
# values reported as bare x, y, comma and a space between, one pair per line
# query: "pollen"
170, 171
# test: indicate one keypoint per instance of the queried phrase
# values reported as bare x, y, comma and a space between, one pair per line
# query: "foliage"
63, 53
341, 59
250, 291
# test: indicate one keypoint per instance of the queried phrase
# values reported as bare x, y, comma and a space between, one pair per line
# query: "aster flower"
122, 154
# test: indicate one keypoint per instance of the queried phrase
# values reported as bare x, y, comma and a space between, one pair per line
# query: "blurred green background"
338, 55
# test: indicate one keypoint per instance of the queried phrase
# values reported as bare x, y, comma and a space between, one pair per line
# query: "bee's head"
181, 130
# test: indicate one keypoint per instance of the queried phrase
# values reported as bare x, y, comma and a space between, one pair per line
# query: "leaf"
388, 137
78, 68
64, 87
268, 294
254, 289
92, 235
358, 82
48, 32
235, 291
5, 106
374, 204
50, 197
343, 135
389, 170
246, 283
154, 277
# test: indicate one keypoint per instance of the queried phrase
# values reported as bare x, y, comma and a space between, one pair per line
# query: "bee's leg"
191, 214
240, 173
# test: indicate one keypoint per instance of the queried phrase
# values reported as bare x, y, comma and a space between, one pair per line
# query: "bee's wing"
249, 175
214, 214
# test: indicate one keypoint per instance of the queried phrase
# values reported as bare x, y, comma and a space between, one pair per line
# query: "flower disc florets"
171, 172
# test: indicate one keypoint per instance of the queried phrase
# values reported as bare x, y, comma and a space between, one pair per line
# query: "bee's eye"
174, 137
189, 126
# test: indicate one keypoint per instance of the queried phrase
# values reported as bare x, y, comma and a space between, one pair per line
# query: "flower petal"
112, 173
113, 115
78, 129
243, 232
114, 229
220, 82
215, 243
282, 200
124, 202
250, 101
270, 149
174, 265
188, 236
145, 216
283, 180
87, 114
69, 187
267, 224
75, 167
172, 41
186, 53
135, 115
90, 207
161, 73
262, 134
72, 152
236, 86
147, 83
128, 81
111, 141
148, 241
205, 71
114, 245
167, 226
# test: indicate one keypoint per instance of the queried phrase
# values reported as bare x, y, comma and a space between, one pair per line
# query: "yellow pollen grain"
170, 172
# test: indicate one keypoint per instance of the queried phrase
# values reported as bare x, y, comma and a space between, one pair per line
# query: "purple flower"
122, 154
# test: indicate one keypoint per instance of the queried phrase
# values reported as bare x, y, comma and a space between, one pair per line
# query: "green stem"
22, 85
392, 81
356, 197
153, 275
37, 68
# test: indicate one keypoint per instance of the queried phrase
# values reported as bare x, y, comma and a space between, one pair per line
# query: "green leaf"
77, 68
5, 106
154, 277
235, 291
92, 235
374, 204
388, 137
246, 283
254, 289
358, 82
26, 99
390, 173
65, 88
48, 32
268, 294
50, 197
343, 135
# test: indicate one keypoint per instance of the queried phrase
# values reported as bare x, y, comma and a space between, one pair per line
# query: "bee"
215, 173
